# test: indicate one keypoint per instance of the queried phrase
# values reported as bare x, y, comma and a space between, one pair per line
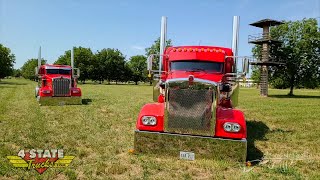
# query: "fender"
151, 109
230, 115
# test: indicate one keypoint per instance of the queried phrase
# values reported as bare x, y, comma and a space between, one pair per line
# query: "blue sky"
132, 25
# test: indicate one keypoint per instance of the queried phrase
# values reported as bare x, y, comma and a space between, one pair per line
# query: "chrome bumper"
59, 101
201, 146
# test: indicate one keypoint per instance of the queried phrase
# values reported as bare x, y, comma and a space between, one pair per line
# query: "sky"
133, 25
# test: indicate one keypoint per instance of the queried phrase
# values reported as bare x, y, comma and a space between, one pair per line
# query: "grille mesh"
190, 109
61, 87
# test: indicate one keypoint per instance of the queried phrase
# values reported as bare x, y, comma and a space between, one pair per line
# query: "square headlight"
149, 120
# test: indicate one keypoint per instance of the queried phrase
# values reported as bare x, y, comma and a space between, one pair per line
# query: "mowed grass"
284, 130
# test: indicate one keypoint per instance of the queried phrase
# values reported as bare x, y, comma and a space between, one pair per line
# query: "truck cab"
57, 85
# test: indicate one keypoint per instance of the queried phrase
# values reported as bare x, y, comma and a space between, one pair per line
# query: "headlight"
46, 91
149, 120
231, 127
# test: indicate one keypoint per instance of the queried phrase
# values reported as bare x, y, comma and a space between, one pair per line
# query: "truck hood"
216, 77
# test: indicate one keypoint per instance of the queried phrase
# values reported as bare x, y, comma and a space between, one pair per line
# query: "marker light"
149, 120
190, 50
174, 49
231, 127
185, 49
179, 49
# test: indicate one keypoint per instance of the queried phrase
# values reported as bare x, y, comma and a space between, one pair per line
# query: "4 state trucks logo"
40, 160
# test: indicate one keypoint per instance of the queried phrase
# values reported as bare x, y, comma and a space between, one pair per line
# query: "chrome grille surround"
61, 87
190, 108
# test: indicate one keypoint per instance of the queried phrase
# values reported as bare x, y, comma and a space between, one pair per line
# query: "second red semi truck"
195, 93
57, 84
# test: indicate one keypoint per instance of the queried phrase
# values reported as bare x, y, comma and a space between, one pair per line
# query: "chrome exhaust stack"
39, 58
72, 62
163, 40
235, 40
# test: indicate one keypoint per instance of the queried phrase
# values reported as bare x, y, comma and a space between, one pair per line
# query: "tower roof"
266, 22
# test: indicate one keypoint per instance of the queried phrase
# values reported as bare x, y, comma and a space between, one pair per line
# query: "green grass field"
284, 130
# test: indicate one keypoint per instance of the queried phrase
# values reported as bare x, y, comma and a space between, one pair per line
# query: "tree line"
299, 51
107, 64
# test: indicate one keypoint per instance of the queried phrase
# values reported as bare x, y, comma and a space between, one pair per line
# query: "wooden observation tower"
265, 40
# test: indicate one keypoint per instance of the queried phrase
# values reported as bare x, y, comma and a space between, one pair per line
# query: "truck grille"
61, 87
190, 107
190, 111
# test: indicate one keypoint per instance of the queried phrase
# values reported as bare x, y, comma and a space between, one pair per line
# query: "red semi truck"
195, 92
57, 84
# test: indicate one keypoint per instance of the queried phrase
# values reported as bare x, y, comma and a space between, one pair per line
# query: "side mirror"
78, 72
245, 65
36, 71
149, 62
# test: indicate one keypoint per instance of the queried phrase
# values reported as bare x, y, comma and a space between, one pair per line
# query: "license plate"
187, 155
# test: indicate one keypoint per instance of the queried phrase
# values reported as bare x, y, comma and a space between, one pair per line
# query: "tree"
82, 60
17, 73
7, 59
110, 65
155, 49
28, 68
138, 66
300, 52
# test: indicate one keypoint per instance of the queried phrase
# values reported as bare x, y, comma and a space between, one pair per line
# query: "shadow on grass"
256, 130
11, 83
294, 96
86, 101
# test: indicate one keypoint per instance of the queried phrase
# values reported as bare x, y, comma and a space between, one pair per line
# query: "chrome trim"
178, 122
168, 144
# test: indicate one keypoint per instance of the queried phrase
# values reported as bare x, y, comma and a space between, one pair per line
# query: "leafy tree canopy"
7, 59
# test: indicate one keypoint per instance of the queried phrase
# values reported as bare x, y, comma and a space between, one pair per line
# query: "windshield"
58, 71
196, 65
